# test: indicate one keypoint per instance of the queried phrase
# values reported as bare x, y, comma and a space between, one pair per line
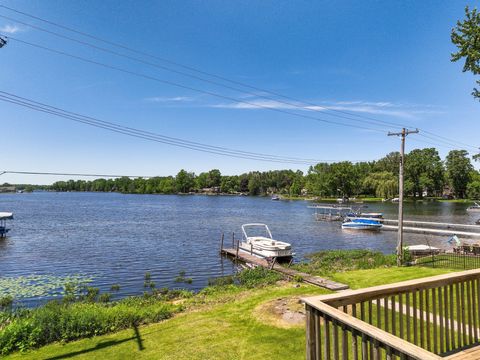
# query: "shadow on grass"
103, 345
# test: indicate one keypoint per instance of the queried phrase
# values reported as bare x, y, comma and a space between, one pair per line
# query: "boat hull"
362, 226
256, 250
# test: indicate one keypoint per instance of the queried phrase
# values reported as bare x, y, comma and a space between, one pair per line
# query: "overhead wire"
190, 68
308, 106
297, 104
172, 83
72, 174
15, 99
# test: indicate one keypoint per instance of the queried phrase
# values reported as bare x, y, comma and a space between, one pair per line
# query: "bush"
58, 321
221, 281
257, 277
327, 262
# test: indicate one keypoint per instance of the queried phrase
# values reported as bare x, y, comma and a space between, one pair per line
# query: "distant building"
7, 189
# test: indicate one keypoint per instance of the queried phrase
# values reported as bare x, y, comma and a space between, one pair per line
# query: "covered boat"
361, 224
257, 239
4, 216
474, 208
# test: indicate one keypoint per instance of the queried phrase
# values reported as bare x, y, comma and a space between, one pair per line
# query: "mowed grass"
221, 326
358, 279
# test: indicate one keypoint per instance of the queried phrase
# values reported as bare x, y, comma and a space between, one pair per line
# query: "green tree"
384, 184
389, 163
184, 181
466, 37
214, 178
424, 172
201, 181
317, 181
343, 179
459, 170
295, 188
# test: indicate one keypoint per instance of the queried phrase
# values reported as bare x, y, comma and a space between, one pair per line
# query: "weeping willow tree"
384, 183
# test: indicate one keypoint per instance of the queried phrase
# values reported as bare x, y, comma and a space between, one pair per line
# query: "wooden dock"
291, 273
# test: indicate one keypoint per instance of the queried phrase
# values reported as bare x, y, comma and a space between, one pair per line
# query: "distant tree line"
426, 174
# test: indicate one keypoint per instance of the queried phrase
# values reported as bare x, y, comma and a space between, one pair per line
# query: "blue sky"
386, 60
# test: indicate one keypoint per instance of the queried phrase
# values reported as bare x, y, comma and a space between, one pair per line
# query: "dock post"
273, 262
238, 244
221, 245
233, 240
251, 249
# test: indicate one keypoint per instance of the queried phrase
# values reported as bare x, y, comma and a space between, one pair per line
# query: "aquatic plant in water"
38, 286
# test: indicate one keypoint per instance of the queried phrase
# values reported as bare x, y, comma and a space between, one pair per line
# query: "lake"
115, 238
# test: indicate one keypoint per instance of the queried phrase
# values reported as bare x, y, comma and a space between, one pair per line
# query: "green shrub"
331, 261
57, 321
221, 281
6, 302
257, 277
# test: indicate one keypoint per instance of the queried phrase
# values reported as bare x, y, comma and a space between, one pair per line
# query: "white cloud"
10, 29
378, 108
165, 99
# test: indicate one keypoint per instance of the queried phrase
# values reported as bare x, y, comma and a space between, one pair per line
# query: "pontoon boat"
254, 242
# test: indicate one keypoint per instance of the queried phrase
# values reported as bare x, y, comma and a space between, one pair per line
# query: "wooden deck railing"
418, 319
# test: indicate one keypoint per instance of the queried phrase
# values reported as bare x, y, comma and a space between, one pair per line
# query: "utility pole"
403, 134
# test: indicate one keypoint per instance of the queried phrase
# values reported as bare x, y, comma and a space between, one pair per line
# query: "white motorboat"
4, 216
474, 208
362, 224
263, 245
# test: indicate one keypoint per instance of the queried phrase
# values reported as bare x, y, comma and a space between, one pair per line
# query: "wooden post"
251, 249
238, 245
233, 240
273, 262
221, 245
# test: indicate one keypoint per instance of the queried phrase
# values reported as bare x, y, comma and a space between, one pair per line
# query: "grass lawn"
221, 326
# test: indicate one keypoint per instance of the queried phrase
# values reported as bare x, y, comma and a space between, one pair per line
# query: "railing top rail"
348, 297
383, 337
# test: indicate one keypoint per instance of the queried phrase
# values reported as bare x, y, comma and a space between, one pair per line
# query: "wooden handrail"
349, 297
401, 346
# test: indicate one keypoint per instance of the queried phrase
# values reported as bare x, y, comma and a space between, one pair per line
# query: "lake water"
115, 238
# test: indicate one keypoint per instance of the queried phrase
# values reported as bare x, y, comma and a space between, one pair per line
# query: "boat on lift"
361, 224
474, 208
257, 239
4, 216
366, 215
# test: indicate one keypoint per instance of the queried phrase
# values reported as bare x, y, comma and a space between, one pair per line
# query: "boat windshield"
253, 230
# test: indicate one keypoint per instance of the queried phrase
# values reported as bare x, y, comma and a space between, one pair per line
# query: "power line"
163, 137
198, 90
306, 105
223, 78
21, 101
168, 82
71, 174
190, 68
